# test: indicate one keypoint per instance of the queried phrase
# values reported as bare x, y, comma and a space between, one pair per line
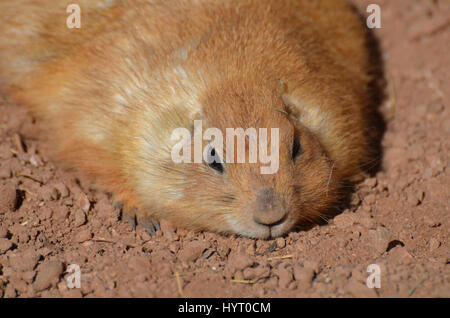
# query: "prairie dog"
112, 92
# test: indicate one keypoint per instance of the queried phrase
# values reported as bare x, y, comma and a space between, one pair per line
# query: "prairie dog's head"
259, 195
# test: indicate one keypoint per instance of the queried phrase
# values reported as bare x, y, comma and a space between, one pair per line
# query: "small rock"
5, 173
382, 238
223, 251
208, 253
371, 182
8, 199
17, 139
281, 242
35, 160
62, 189
434, 244
3, 232
303, 275
25, 261
60, 215
80, 218
370, 199
285, 276
428, 173
239, 262
257, 273
355, 235
48, 275
366, 221
343, 221
355, 200
49, 194
45, 251
174, 247
251, 249
399, 254
45, 213
192, 251
105, 210
83, 236
415, 197
68, 201
83, 202
5, 245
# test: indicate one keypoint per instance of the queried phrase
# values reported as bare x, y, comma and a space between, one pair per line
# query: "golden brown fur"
112, 92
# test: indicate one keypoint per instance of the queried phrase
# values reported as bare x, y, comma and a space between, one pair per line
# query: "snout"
268, 209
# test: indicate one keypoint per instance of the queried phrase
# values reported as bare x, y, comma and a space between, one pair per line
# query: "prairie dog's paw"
134, 216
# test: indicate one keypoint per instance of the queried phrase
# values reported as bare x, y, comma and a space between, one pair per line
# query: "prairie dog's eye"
214, 161
296, 148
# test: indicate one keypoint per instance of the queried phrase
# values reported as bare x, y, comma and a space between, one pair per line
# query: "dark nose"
269, 209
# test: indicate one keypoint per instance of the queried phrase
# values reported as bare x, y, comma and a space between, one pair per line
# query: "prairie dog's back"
33, 32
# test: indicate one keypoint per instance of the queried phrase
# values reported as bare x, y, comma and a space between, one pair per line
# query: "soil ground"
399, 219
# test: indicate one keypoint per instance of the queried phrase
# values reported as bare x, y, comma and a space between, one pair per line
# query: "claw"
156, 224
126, 216
132, 217
149, 223
129, 218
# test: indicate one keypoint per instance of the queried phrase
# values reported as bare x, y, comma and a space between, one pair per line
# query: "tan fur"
112, 92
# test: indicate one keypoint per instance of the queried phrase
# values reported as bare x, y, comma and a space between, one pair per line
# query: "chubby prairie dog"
112, 92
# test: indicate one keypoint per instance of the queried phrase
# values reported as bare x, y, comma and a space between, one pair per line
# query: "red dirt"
399, 219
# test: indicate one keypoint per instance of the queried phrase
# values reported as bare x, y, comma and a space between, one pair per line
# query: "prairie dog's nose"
268, 208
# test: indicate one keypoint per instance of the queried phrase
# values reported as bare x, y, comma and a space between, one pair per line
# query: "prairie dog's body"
112, 93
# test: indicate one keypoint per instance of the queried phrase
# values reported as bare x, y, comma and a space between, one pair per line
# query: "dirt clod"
343, 221
5, 173
193, 251
5, 245
239, 261
48, 275
381, 237
303, 275
8, 199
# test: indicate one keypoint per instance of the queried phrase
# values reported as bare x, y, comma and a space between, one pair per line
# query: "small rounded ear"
291, 105
307, 113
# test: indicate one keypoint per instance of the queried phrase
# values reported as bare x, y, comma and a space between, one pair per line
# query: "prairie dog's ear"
290, 104
308, 113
